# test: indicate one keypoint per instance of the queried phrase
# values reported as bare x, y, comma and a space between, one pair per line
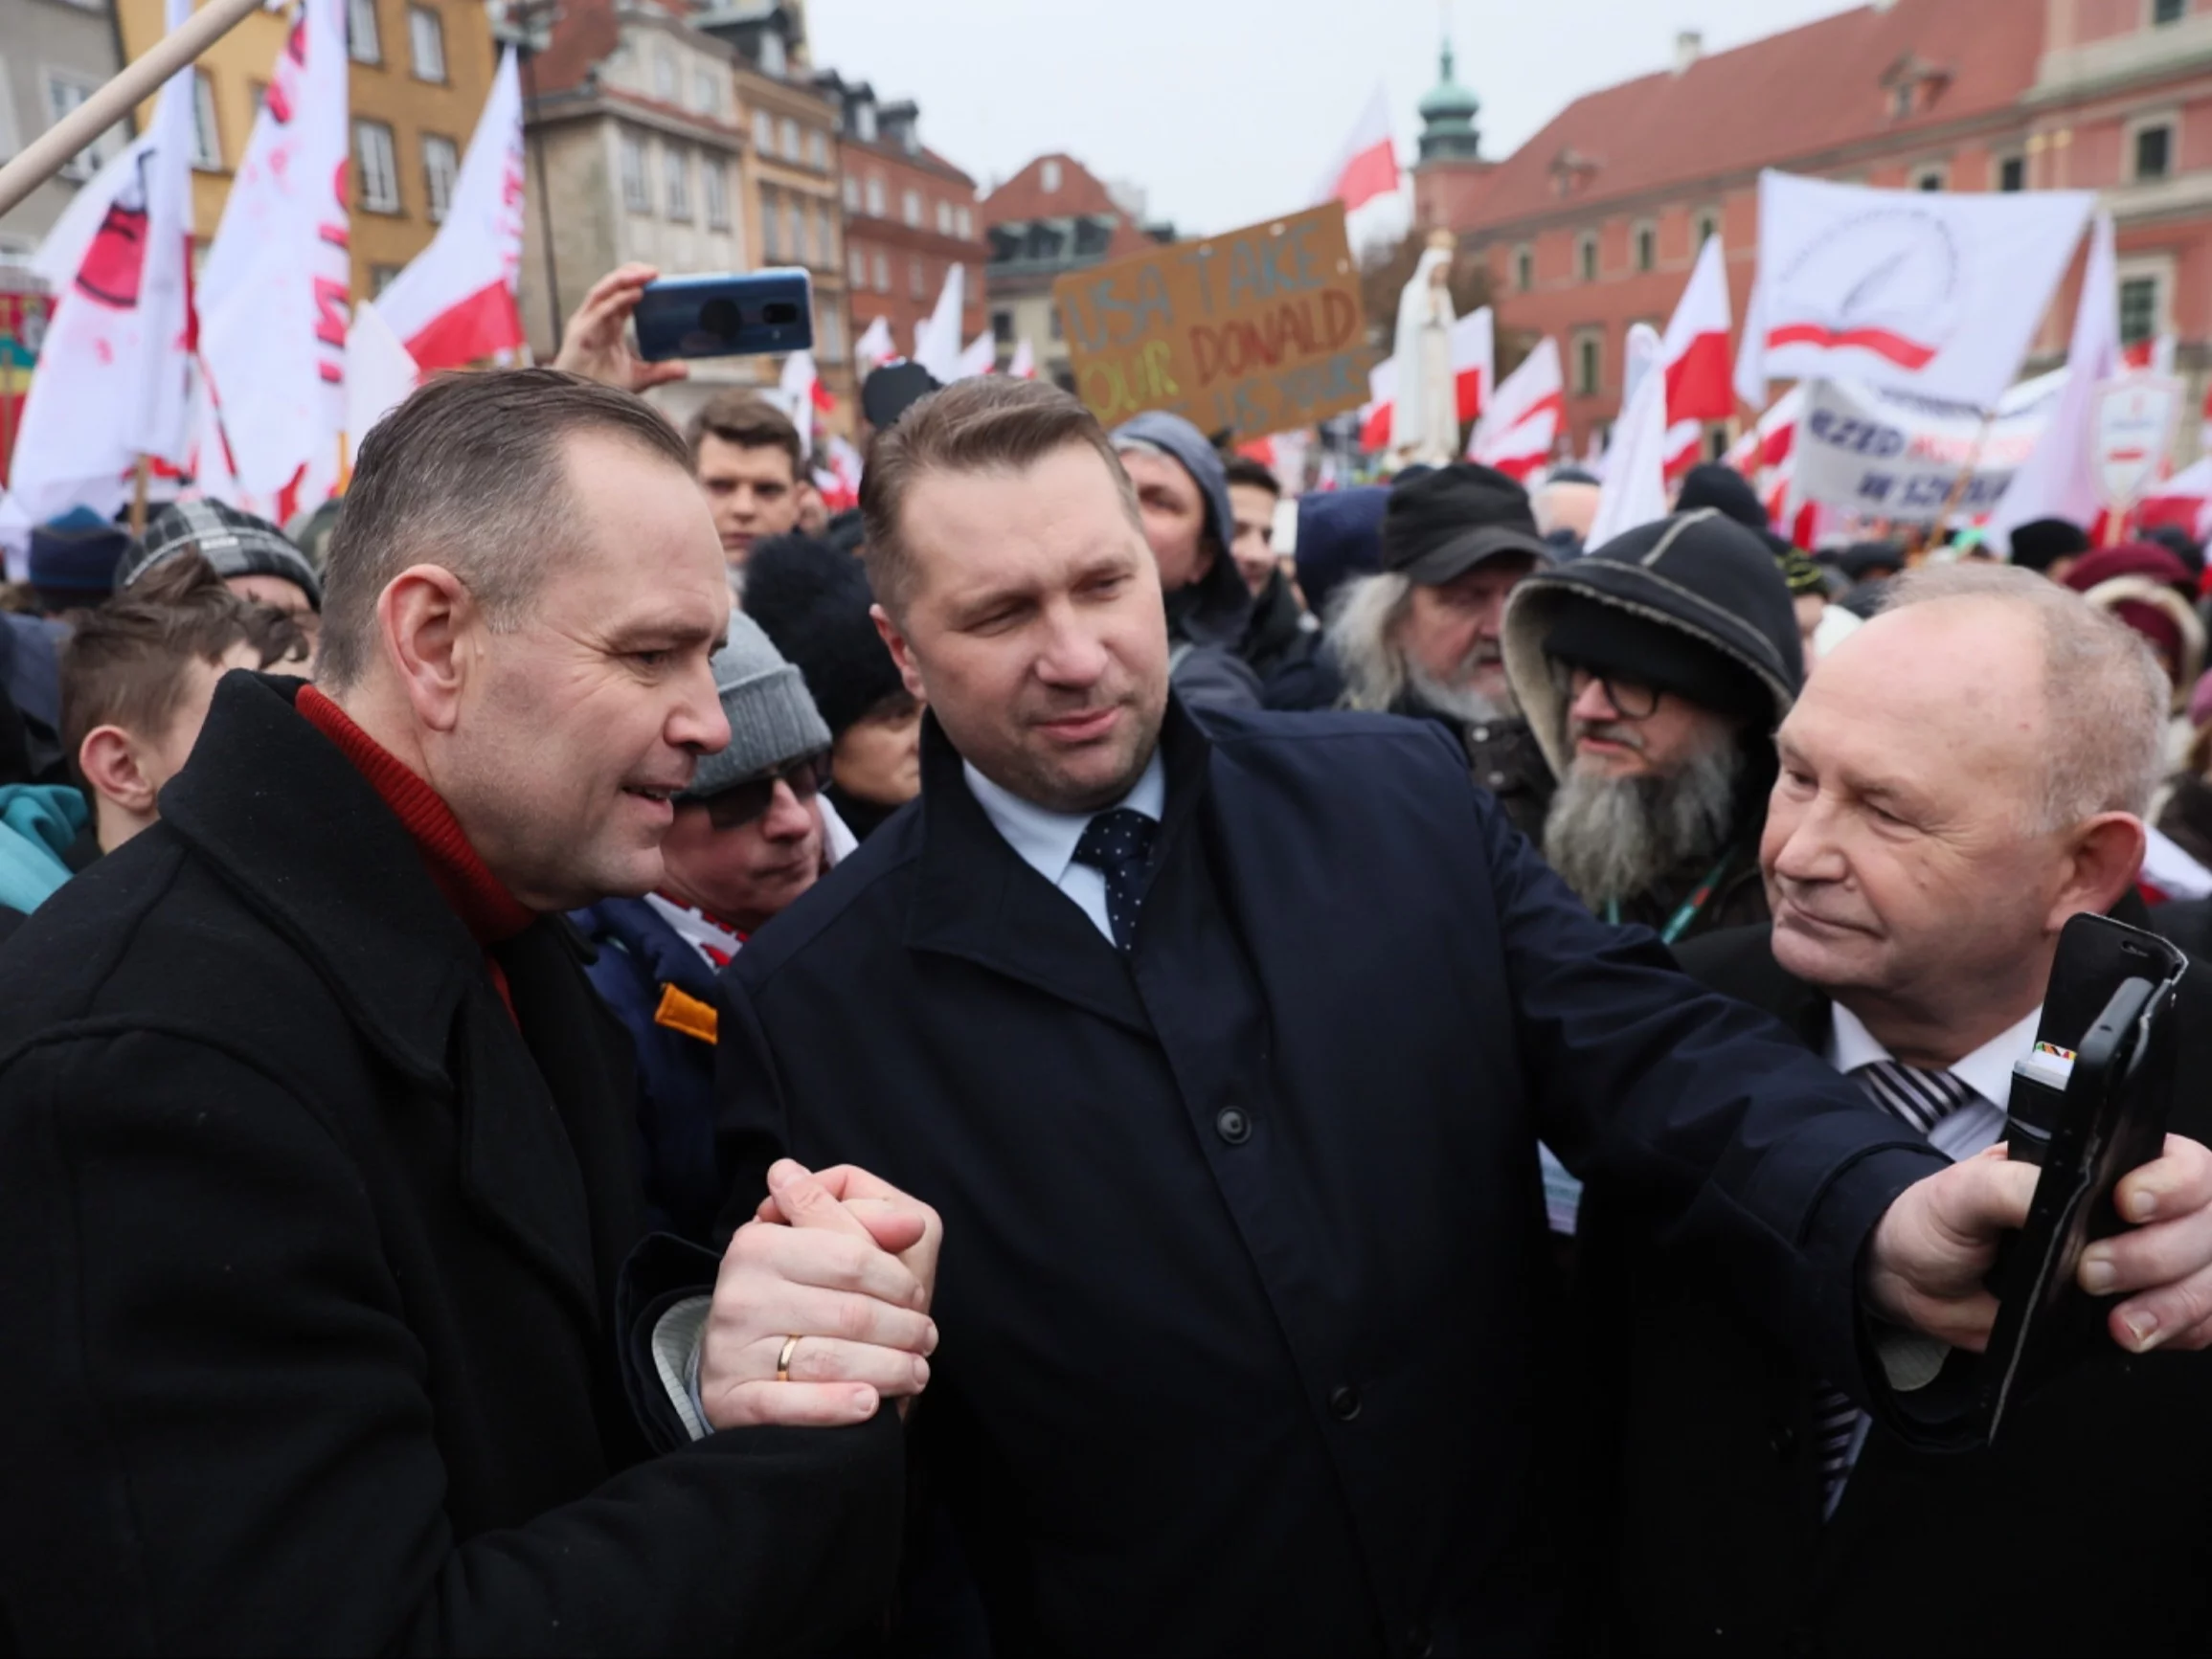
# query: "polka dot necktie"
1923, 1099
1118, 845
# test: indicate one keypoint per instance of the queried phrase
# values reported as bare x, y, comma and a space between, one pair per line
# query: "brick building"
1594, 223
1053, 216
910, 214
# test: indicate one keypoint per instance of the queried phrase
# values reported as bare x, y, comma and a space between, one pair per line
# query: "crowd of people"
595, 1058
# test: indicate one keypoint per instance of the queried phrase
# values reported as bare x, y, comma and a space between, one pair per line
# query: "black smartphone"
729, 314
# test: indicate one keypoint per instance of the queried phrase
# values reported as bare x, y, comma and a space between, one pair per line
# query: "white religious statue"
1425, 417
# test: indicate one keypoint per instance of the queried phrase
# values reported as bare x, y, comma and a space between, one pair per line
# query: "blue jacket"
641, 958
37, 823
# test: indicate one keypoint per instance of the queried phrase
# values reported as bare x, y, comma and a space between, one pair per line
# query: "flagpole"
132, 86
137, 500
1964, 478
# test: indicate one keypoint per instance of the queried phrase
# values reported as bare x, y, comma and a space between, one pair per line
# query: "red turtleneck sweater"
490, 913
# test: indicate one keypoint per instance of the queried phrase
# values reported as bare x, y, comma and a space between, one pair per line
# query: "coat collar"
978, 899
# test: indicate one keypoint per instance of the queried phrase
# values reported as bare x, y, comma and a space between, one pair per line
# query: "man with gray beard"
1653, 671
1422, 636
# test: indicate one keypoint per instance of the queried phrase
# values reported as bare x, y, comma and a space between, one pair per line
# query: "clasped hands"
841, 1262
1933, 1247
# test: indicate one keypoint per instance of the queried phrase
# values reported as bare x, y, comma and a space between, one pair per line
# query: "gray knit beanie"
771, 720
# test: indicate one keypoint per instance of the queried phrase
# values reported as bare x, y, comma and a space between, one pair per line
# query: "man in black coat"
316, 1181
1937, 822
1223, 1044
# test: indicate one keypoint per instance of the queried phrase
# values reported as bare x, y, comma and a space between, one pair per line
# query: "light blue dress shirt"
1046, 840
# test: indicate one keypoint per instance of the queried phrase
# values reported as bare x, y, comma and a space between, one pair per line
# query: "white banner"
1886, 455
1919, 291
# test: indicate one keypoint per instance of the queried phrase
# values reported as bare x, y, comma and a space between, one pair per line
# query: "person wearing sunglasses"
752, 834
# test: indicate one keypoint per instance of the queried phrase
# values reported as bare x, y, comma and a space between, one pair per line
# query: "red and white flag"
380, 374
1023, 365
456, 303
875, 346
1766, 453
113, 381
1634, 491
937, 337
1920, 291
1519, 427
1368, 166
274, 292
1695, 353
979, 357
1473, 348
2061, 478
1375, 413
802, 395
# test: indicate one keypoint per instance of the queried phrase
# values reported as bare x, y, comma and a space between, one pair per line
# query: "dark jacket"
2186, 817
1245, 1251
640, 960
2086, 1530
1504, 757
1205, 624
308, 1336
1737, 900
1294, 671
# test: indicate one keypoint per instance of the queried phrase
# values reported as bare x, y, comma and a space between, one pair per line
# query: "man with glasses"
751, 835
1654, 672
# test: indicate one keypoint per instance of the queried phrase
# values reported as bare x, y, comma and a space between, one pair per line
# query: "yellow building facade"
421, 72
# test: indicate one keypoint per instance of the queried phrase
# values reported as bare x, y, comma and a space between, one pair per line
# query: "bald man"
1938, 820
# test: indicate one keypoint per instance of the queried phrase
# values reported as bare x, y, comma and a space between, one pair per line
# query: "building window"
636, 196
764, 132
1708, 227
882, 274
2153, 149
863, 122
1646, 247
818, 149
1586, 255
207, 137
361, 37
426, 43
910, 208
1589, 365
714, 186
1524, 268
2138, 309
829, 335
379, 191
917, 279
963, 225
705, 92
773, 58
851, 194
790, 134
441, 166
2012, 173
1932, 178
874, 197
1049, 176
665, 75
1002, 327
772, 226
2165, 12
856, 266
676, 180
1052, 327
825, 238
944, 218
794, 213
1901, 100
63, 94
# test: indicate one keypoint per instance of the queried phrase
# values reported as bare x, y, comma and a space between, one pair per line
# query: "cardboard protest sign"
1886, 454
1257, 330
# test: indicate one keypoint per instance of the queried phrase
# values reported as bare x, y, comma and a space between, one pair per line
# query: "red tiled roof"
1024, 197
584, 32
1790, 95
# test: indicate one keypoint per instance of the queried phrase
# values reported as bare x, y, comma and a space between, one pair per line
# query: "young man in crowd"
1653, 671
254, 558
749, 838
1281, 643
1424, 635
138, 674
1961, 777
748, 457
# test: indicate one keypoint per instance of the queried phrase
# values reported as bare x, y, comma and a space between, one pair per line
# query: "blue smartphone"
725, 315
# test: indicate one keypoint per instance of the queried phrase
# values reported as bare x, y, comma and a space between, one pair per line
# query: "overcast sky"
1227, 111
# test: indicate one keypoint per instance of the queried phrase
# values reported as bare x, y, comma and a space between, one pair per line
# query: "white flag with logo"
1919, 291
275, 293
113, 375
456, 303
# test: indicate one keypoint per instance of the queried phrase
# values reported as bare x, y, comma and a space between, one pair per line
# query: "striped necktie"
1922, 1099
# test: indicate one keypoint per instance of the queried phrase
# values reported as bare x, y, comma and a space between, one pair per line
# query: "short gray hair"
469, 474
2105, 694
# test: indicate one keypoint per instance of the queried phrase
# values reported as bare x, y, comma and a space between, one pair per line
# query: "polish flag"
979, 357
1518, 429
1766, 453
937, 337
1695, 353
803, 393
875, 346
1375, 413
1024, 366
1472, 372
275, 291
380, 374
1368, 166
456, 305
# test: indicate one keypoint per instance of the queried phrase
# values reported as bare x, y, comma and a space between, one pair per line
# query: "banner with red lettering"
274, 295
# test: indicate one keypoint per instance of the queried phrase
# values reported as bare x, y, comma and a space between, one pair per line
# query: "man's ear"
2105, 857
427, 620
901, 653
108, 758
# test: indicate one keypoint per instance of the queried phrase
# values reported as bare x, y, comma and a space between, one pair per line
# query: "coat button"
1782, 1442
1232, 1125
1483, 734
1497, 780
1344, 1403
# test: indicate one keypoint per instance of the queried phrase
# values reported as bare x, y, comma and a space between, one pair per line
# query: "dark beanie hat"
1444, 523
2042, 543
812, 602
1724, 489
78, 554
892, 390
1865, 561
1605, 639
236, 543
1339, 540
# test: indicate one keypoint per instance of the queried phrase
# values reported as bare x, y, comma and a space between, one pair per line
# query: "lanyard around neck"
1687, 911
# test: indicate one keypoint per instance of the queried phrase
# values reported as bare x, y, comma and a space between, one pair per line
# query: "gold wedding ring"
783, 1360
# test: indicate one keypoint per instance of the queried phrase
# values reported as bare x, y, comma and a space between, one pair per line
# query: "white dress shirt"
1046, 840
1987, 1071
